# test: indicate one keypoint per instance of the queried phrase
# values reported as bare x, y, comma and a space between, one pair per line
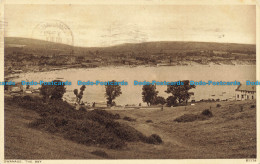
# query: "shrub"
149, 121
128, 119
53, 91
193, 117
154, 139
82, 109
157, 138
106, 114
186, 118
207, 112
218, 105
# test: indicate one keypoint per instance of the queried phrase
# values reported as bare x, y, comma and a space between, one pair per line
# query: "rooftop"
251, 88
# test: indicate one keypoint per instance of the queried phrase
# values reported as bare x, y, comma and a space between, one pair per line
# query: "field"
229, 133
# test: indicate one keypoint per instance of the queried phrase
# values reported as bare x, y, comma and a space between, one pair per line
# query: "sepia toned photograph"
129, 81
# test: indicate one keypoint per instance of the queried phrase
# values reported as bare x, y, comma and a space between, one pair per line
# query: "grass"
96, 127
230, 133
206, 114
22, 142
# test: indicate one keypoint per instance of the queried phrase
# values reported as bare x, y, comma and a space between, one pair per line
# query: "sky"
108, 25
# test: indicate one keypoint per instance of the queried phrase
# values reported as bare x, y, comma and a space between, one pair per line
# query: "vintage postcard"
88, 80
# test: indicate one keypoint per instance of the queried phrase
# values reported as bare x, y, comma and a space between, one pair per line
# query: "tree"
159, 100
180, 92
149, 94
55, 92
112, 91
78, 94
171, 101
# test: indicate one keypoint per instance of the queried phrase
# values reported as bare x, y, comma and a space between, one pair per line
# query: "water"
132, 94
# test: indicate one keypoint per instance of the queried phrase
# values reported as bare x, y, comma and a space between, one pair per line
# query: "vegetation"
235, 130
80, 94
171, 101
128, 118
148, 121
154, 139
112, 91
159, 100
54, 92
149, 94
82, 108
180, 92
96, 127
206, 114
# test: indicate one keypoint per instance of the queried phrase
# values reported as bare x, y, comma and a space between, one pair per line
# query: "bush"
207, 112
106, 114
193, 117
157, 138
149, 121
252, 106
82, 109
53, 91
154, 139
128, 119
186, 118
218, 105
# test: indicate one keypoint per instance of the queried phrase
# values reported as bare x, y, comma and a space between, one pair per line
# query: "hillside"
178, 46
150, 47
229, 133
32, 43
28, 55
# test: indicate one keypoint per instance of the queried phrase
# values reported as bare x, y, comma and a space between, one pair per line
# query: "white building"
246, 92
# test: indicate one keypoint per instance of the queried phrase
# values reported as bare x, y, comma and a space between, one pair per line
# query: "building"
246, 92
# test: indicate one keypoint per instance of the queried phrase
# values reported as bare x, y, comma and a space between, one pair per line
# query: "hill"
27, 55
148, 47
230, 133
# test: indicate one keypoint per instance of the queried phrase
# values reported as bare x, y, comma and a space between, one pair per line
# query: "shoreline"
16, 75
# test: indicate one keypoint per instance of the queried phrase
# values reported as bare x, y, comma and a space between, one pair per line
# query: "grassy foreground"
229, 133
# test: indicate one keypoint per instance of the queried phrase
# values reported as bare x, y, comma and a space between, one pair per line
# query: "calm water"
132, 94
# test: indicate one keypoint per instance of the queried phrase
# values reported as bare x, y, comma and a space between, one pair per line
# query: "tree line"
178, 93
